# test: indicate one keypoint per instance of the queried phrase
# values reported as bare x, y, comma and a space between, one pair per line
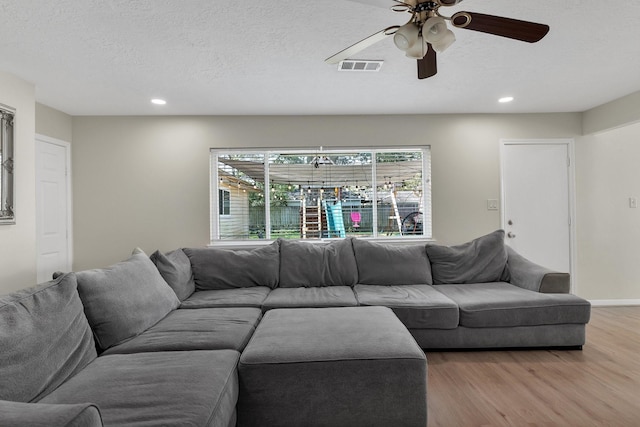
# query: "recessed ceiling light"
158, 101
505, 99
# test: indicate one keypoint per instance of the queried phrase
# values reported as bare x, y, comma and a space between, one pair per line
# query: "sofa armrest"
19, 414
529, 275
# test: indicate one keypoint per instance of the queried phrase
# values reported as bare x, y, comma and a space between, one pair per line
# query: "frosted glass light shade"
418, 50
406, 36
434, 29
446, 41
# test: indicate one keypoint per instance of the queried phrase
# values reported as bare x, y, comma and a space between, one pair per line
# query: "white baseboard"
614, 302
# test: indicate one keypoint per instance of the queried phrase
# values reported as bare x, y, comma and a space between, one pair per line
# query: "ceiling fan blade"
361, 45
428, 66
499, 26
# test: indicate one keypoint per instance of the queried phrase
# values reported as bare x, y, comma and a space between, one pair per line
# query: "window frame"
221, 202
214, 154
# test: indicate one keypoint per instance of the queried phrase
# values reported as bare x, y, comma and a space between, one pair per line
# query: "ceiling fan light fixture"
418, 50
406, 36
427, 32
446, 41
434, 29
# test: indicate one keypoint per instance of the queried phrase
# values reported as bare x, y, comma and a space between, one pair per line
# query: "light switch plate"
492, 204
633, 202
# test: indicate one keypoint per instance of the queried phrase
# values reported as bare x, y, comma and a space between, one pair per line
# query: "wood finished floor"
598, 386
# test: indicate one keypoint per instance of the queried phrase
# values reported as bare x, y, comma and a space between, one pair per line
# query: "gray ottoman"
351, 366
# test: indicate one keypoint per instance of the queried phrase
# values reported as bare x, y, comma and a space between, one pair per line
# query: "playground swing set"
325, 219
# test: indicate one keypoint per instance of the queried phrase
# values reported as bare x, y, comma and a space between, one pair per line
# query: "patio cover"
328, 175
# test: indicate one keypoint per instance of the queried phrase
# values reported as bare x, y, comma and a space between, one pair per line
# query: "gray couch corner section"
125, 299
534, 277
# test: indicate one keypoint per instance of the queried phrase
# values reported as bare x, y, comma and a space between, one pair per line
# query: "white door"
52, 207
536, 201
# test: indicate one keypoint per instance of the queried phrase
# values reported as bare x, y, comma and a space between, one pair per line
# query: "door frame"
570, 144
67, 146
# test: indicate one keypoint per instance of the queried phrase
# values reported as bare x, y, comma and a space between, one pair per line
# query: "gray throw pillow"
215, 269
304, 264
385, 264
45, 339
481, 260
125, 299
175, 269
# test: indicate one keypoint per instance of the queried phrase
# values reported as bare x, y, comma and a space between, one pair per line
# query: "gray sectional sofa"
215, 337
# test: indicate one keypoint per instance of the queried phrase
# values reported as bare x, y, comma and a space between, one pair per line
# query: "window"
321, 194
7, 214
224, 199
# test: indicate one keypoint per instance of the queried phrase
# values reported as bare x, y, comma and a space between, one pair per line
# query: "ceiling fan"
426, 32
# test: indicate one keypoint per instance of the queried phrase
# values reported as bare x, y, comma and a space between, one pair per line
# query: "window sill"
249, 244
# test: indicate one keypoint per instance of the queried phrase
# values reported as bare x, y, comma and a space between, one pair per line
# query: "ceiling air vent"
360, 65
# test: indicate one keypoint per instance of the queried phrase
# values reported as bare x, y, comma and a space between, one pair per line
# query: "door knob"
511, 235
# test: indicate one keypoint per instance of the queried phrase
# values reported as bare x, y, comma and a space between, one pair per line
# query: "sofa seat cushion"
242, 297
197, 329
305, 264
18, 414
196, 388
215, 268
330, 296
125, 299
500, 304
45, 339
385, 264
417, 306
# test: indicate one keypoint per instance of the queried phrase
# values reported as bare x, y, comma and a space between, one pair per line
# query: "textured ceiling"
109, 57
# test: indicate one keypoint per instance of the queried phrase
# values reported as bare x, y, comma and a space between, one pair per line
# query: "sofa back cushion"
482, 260
304, 264
385, 264
125, 299
44, 339
175, 269
215, 269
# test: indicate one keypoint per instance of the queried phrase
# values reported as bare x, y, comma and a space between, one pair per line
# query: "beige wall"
144, 181
53, 123
615, 114
18, 242
607, 175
